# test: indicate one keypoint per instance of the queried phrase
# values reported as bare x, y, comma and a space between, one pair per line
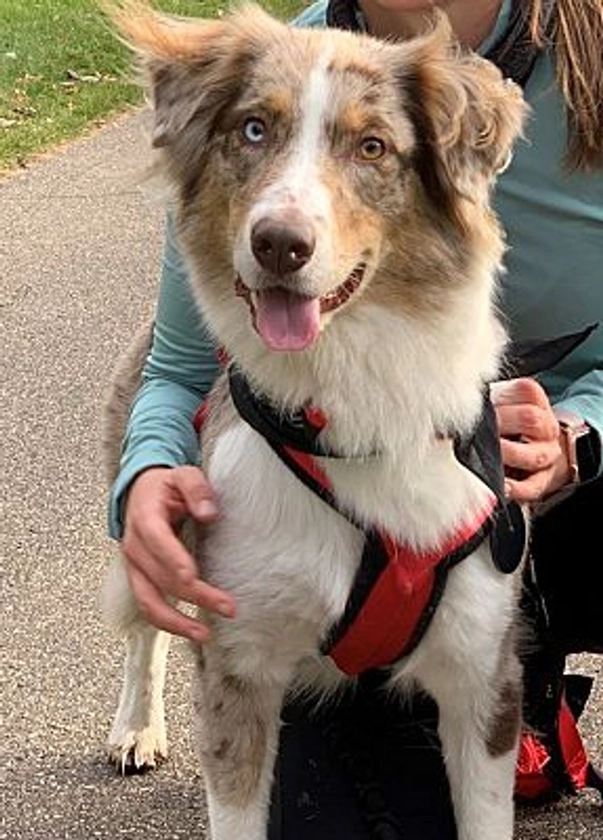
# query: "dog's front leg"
238, 727
138, 736
468, 663
481, 770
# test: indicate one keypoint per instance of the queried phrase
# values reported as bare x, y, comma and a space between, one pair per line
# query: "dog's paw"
137, 751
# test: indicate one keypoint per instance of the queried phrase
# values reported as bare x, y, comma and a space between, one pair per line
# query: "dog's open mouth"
286, 320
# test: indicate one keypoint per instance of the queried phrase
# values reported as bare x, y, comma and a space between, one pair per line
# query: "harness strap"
395, 596
396, 589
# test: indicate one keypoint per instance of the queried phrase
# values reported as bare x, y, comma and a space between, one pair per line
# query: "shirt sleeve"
179, 372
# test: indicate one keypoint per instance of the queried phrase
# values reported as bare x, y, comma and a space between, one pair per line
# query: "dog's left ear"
467, 117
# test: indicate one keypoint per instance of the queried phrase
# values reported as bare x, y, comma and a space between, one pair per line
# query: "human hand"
158, 565
533, 454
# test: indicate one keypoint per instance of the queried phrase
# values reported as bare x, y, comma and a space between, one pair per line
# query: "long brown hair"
577, 39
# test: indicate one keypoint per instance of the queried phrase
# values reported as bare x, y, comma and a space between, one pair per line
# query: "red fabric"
309, 465
315, 417
572, 747
532, 780
223, 357
200, 416
396, 602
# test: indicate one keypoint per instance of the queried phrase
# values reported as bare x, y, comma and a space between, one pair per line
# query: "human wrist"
139, 484
581, 446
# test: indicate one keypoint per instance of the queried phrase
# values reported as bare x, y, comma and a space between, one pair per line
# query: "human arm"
158, 483
552, 287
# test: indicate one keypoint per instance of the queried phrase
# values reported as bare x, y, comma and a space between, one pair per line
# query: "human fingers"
158, 501
517, 391
523, 410
158, 554
533, 471
161, 614
529, 457
530, 489
527, 422
190, 484
171, 493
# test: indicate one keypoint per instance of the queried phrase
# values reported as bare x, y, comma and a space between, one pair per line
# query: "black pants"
370, 768
367, 768
567, 549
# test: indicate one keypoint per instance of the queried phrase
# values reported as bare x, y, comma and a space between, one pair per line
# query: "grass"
63, 71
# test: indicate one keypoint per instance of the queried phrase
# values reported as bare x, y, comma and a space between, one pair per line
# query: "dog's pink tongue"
287, 321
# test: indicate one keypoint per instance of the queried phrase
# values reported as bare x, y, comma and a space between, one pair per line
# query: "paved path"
79, 249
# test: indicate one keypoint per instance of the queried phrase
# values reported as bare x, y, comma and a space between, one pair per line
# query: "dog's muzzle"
289, 321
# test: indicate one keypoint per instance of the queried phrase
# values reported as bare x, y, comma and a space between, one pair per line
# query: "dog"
332, 197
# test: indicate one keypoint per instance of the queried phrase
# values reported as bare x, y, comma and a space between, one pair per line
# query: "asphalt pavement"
80, 243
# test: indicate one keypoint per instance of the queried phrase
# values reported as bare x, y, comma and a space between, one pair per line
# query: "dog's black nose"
282, 246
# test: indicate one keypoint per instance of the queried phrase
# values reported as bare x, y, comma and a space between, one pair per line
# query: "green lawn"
62, 70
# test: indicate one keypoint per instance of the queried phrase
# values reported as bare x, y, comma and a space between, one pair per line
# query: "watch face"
582, 445
588, 454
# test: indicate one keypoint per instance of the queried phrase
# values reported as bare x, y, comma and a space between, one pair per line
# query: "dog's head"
316, 170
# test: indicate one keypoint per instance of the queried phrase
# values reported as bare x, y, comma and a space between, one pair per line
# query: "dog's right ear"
188, 65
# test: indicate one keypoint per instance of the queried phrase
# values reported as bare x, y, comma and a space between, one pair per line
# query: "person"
343, 773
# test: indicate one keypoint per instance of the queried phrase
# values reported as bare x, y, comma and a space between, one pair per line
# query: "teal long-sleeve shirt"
553, 285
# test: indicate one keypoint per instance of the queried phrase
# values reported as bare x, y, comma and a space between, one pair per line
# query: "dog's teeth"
333, 300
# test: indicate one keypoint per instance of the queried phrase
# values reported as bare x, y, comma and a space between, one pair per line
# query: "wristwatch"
582, 446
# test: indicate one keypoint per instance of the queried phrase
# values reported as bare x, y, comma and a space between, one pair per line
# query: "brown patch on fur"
352, 119
427, 265
505, 724
221, 751
279, 102
233, 735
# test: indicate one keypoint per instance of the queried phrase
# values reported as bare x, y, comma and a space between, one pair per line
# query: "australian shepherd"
331, 194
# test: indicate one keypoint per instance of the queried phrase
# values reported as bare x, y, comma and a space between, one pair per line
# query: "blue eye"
254, 130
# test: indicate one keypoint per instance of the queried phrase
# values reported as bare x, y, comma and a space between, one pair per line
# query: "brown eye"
254, 130
371, 148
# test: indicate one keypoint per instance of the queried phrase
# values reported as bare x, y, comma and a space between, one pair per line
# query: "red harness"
396, 588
